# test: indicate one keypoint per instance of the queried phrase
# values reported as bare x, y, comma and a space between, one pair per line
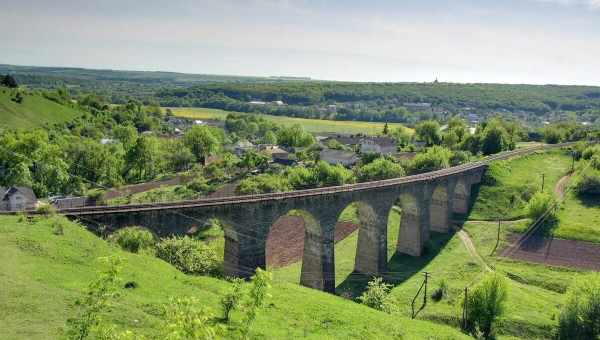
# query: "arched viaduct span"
427, 202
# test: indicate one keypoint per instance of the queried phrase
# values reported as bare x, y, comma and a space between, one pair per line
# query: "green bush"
541, 204
580, 315
378, 296
494, 173
264, 183
460, 157
485, 305
590, 151
188, 255
435, 158
588, 184
133, 239
381, 168
595, 161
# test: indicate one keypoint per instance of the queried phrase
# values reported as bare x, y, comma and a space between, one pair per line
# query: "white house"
333, 157
380, 145
17, 198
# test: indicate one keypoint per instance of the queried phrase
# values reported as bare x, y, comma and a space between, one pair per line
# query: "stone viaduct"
427, 202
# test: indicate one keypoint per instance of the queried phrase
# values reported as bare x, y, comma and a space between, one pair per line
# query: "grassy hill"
43, 274
33, 111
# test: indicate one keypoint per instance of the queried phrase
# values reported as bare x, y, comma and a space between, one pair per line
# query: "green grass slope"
34, 111
42, 275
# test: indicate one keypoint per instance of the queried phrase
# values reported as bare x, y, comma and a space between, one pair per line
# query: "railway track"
106, 209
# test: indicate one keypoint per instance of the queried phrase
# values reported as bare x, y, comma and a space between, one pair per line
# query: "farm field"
34, 111
43, 275
311, 125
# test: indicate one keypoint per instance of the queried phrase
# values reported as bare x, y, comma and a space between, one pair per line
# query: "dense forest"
323, 99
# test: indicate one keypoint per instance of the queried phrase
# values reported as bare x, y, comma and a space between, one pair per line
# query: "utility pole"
464, 315
425, 292
543, 180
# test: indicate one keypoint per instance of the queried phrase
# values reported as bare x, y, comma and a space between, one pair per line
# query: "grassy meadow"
34, 111
517, 179
311, 125
42, 275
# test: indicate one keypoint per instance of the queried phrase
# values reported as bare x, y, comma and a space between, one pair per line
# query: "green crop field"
579, 219
34, 111
311, 125
42, 275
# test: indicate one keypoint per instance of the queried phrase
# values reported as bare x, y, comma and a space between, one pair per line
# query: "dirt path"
466, 240
561, 186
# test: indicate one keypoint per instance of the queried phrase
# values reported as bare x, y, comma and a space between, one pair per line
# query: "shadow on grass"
400, 267
589, 201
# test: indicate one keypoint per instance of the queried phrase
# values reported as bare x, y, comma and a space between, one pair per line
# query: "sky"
501, 41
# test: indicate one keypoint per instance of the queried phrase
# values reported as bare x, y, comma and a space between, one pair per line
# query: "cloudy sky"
509, 41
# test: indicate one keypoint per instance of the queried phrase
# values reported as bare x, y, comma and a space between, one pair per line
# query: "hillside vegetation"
33, 111
43, 273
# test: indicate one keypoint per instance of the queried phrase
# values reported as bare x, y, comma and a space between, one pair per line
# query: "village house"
17, 198
333, 157
380, 145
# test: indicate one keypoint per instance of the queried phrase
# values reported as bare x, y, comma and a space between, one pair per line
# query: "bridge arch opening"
294, 249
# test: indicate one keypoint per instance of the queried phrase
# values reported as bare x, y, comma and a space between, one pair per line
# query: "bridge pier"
441, 206
414, 221
371, 252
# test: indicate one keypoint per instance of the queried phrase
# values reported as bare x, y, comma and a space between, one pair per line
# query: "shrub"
590, 151
381, 168
133, 239
57, 226
199, 185
485, 305
46, 210
440, 292
188, 255
378, 296
494, 172
541, 204
435, 158
460, 157
233, 298
580, 316
588, 184
257, 297
264, 183
595, 161
187, 318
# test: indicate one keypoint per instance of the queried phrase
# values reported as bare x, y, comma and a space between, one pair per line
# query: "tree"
402, 136
202, 141
386, 129
178, 156
541, 205
262, 184
295, 136
429, 132
378, 296
580, 316
8, 81
552, 135
381, 168
330, 175
252, 160
485, 305
270, 137
144, 159
435, 158
126, 134
495, 139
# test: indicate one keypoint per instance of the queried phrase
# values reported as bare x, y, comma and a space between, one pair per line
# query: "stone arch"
297, 235
440, 210
461, 197
414, 225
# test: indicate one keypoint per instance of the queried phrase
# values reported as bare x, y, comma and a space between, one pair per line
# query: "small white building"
333, 157
380, 145
17, 198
